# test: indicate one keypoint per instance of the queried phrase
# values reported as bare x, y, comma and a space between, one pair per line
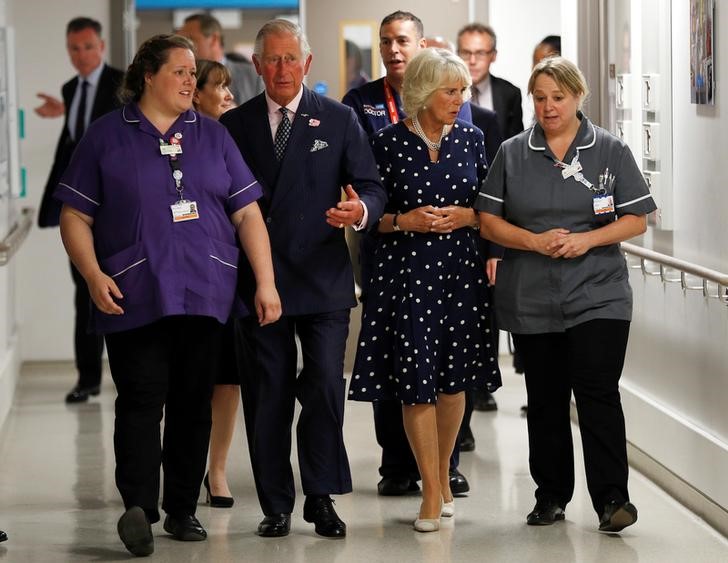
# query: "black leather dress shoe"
545, 513
320, 511
484, 401
81, 394
467, 440
617, 516
184, 528
397, 486
3, 536
275, 526
136, 532
458, 483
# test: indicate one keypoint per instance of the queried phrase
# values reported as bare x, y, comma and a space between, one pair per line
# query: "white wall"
45, 290
517, 37
675, 384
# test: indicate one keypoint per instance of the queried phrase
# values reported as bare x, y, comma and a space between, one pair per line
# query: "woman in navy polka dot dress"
425, 334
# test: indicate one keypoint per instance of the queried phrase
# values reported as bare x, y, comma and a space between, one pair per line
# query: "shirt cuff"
364, 218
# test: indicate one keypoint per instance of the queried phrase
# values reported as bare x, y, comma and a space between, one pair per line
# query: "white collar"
93, 77
292, 106
537, 139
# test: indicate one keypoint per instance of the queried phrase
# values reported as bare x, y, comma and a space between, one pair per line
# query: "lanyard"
174, 164
391, 106
574, 169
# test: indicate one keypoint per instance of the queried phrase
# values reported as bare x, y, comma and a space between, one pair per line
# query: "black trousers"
88, 347
270, 386
586, 359
167, 367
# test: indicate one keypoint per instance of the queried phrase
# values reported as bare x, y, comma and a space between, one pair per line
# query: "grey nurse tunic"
538, 294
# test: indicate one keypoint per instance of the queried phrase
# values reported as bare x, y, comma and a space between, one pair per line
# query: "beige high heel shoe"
448, 509
428, 524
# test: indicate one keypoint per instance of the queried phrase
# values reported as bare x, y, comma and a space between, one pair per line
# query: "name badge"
170, 150
184, 211
603, 204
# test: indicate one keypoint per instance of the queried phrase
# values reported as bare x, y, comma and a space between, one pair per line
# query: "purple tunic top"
119, 177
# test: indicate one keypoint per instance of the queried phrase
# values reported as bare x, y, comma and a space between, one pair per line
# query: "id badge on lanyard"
182, 209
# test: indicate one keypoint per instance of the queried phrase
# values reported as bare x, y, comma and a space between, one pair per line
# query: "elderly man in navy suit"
303, 148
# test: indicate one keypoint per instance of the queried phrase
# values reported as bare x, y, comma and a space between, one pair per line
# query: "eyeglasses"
287, 60
482, 54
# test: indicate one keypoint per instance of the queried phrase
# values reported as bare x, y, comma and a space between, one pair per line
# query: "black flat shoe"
212, 500
545, 513
320, 511
3, 536
275, 526
458, 483
184, 528
81, 394
617, 516
135, 532
396, 486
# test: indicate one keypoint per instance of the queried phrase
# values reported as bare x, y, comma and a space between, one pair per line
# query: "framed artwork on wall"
702, 52
358, 54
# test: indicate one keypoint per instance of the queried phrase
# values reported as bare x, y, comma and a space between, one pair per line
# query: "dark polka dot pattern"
425, 328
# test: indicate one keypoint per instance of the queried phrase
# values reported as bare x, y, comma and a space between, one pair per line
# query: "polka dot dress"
425, 328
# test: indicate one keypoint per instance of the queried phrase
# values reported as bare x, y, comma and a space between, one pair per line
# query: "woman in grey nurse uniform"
560, 197
155, 198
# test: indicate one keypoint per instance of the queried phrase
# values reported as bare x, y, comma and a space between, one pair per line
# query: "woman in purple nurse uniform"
154, 199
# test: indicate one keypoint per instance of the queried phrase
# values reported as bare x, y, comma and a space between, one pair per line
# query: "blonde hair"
566, 75
427, 72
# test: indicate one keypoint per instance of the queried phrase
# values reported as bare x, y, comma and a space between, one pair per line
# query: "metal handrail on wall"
11, 243
666, 263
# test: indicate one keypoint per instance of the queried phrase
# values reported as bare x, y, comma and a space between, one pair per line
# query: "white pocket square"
319, 145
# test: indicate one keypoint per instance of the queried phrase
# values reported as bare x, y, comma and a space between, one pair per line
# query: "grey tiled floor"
58, 501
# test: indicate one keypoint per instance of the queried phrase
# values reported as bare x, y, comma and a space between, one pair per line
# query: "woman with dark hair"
213, 98
154, 198
212, 94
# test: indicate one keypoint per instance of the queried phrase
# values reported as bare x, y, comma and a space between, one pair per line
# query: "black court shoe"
212, 500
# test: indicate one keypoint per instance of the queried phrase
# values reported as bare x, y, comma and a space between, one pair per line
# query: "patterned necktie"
282, 134
81, 115
474, 98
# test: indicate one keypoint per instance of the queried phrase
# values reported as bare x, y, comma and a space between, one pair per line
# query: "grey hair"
427, 72
281, 27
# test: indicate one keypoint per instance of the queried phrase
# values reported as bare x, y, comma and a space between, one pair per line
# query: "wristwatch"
395, 226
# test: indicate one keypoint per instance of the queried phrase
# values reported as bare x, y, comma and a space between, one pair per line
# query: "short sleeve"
244, 188
631, 194
80, 186
492, 191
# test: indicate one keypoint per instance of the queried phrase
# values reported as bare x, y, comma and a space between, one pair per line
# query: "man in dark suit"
81, 105
477, 47
303, 148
